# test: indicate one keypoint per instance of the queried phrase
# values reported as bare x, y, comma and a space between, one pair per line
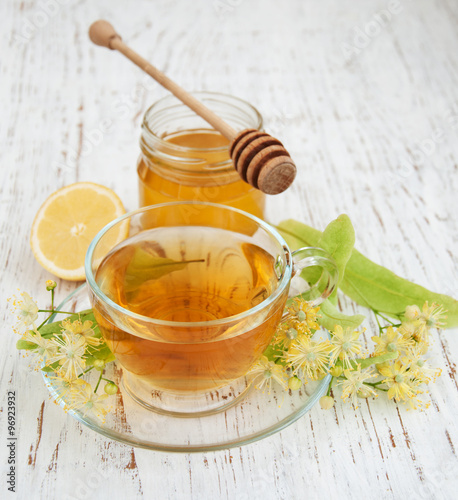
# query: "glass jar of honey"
184, 159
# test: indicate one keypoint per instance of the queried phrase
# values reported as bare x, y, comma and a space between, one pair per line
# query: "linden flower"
71, 349
419, 367
89, 403
419, 336
266, 371
408, 330
66, 390
290, 331
391, 341
309, 356
423, 372
27, 311
50, 285
354, 385
412, 313
417, 403
45, 349
303, 312
345, 345
77, 327
430, 316
433, 315
326, 402
401, 384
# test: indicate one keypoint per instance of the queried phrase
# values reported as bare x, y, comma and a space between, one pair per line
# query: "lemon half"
67, 222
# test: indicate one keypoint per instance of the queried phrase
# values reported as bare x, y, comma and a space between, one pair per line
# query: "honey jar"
182, 158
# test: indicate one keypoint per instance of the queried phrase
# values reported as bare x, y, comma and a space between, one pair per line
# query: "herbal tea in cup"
187, 308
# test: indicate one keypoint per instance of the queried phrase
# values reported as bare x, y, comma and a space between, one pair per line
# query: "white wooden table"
365, 97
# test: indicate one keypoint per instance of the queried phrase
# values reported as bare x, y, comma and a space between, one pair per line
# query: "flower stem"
85, 371
38, 328
54, 311
388, 326
375, 385
330, 386
383, 317
378, 323
98, 382
375, 360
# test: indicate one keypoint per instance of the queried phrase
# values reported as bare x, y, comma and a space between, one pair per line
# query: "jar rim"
175, 102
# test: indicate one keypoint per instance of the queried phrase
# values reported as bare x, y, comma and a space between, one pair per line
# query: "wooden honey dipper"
260, 159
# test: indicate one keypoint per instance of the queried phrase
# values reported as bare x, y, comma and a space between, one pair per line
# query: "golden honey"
183, 159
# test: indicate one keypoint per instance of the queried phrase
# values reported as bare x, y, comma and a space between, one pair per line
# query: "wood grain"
371, 121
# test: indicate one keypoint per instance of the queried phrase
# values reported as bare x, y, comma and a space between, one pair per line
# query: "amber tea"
189, 302
188, 278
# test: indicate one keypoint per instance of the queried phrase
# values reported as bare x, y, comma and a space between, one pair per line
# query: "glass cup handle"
315, 286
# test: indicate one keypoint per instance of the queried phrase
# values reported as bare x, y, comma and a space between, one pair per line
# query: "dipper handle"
260, 159
102, 33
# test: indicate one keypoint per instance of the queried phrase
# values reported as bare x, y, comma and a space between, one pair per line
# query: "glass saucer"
257, 416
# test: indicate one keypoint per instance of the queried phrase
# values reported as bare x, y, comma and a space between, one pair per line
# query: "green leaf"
89, 360
274, 353
292, 231
146, 266
333, 298
298, 234
375, 360
372, 285
50, 329
48, 369
331, 316
24, 344
102, 351
338, 239
110, 358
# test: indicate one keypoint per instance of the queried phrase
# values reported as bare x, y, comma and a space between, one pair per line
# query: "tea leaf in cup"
146, 266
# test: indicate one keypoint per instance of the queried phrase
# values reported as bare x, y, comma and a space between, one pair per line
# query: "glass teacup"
191, 299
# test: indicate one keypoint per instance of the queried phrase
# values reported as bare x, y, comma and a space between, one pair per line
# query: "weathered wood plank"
374, 135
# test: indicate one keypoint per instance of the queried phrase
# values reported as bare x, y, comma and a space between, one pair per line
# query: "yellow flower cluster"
397, 366
64, 354
405, 375
299, 353
298, 356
